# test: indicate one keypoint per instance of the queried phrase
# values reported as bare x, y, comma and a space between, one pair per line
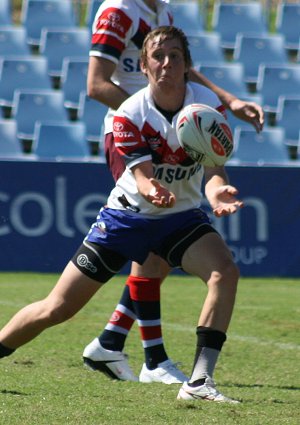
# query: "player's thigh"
207, 254
153, 267
72, 291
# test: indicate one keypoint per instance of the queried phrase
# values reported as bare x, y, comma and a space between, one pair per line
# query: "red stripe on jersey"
144, 288
127, 136
150, 332
120, 319
108, 40
115, 21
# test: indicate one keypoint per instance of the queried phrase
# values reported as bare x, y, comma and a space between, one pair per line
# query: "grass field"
45, 382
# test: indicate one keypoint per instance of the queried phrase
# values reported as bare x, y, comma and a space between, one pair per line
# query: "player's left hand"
160, 196
225, 201
248, 111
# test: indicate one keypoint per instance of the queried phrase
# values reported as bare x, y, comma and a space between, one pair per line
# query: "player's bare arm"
99, 84
220, 194
247, 111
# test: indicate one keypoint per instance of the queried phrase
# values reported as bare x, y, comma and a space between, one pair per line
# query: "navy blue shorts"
133, 236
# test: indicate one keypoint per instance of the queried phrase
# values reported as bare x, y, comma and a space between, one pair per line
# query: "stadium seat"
265, 148
9, 144
5, 12
252, 50
92, 114
22, 73
56, 140
288, 117
205, 47
73, 81
58, 44
229, 19
288, 23
229, 76
91, 10
13, 41
37, 14
37, 105
276, 80
187, 16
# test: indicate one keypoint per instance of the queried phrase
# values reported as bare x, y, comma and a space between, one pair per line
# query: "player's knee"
56, 312
226, 275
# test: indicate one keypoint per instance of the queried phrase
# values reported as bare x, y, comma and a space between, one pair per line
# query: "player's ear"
143, 68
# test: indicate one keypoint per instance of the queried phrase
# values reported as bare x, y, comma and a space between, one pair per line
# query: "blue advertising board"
46, 208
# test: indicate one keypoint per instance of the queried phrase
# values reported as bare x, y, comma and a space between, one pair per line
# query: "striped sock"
114, 335
145, 295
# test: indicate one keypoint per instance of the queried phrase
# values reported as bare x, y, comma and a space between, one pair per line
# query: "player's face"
165, 65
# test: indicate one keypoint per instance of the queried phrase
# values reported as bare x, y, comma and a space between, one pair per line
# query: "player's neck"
151, 4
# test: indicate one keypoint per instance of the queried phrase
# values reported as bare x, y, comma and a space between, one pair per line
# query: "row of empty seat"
55, 61
62, 140
228, 18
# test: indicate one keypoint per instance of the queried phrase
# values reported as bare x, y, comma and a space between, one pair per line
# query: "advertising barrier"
46, 209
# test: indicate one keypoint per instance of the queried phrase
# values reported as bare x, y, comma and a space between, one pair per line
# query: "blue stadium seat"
56, 140
205, 47
91, 10
252, 50
13, 41
229, 19
31, 106
265, 148
37, 14
22, 73
73, 81
9, 144
288, 23
187, 16
92, 114
288, 117
5, 12
58, 44
229, 76
276, 80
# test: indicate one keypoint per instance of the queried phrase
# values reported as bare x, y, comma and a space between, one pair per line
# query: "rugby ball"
205, 135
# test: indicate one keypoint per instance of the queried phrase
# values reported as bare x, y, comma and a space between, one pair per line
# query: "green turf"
45, 383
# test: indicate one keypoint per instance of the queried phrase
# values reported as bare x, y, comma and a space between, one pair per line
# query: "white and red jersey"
142, 133
119, 29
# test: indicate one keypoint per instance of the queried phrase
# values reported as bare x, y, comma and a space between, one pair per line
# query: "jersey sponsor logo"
118, 126
114, 20
176, 174
119, 132
83, 261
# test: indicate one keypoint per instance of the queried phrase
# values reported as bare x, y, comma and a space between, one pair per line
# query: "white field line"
235, 337
191, 329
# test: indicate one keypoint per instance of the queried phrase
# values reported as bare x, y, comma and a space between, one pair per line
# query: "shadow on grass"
12, 392
278, 387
